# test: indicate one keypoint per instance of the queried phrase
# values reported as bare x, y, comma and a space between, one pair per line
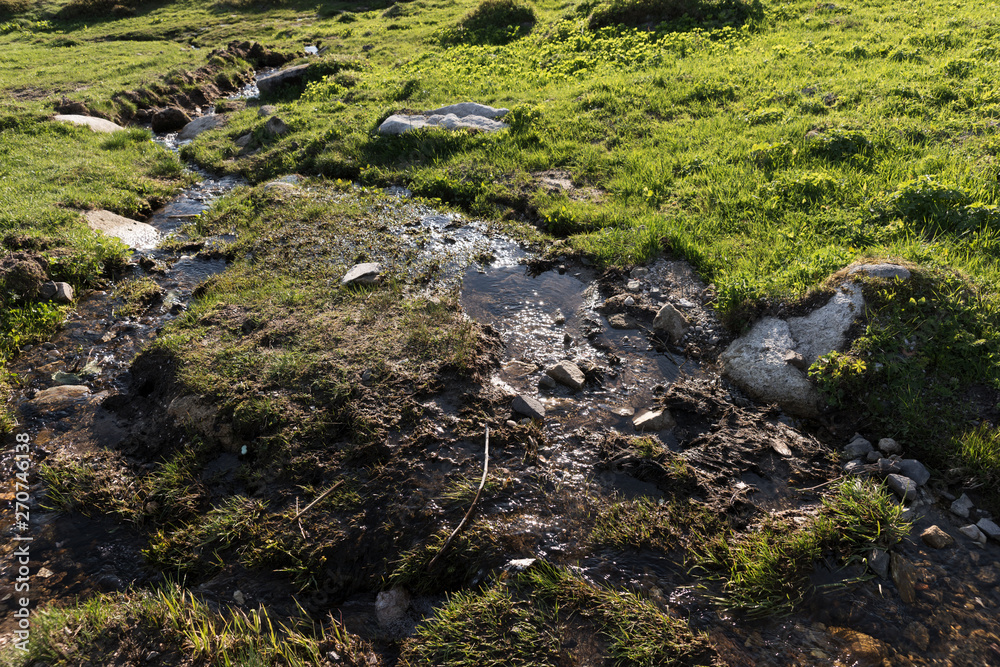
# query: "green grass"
184, 629
766, 570
530, 618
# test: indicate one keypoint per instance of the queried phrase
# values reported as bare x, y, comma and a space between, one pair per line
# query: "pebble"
878, 562
873, 456
962, 506
936, 538
545, 382
633, 286
558, 317
629, 301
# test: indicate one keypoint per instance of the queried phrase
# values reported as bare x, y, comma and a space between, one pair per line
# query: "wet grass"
138, 294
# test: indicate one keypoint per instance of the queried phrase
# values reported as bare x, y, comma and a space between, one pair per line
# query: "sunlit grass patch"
530, 618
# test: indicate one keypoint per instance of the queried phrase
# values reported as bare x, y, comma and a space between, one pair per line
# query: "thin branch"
318, 498
482, 485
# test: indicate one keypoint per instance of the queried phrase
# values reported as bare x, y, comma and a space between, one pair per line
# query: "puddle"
549, 317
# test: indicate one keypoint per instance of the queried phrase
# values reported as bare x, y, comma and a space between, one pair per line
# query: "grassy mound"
493, 22
650, 13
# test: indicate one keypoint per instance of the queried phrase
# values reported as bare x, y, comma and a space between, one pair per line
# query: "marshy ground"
237, 459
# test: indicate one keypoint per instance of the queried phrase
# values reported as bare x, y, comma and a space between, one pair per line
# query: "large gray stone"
567, 373
973, 533
368, 273
199, 125
889, 446
654, 420
670, 321
915, 470
133, 233
96, 124
756, 363
824, 329
290, 76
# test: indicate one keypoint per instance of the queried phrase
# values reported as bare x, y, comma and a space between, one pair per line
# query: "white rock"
133, 233
94, 123
58, 398
756, 363
363, 274
823, 330
464, 109
199, 125
399, 123
654, 420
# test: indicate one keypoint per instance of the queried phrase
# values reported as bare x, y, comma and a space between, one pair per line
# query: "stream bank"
403, 427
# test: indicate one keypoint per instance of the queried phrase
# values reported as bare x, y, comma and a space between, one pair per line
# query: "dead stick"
819, 486
319, 498
482, 485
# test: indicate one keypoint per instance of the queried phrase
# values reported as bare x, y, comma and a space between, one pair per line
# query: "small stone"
962, 506
915, 470
973, 533
671, 321
878, 562
567, 373
558, 318
528, 406
276, 127
243, 140
639, 272
854, 467
240, 598
889, 446
989, 528
633, 286
797, 360
368, 273
545, 382
936, 538
629, 301
902, 486
857, 448
873, 456
887, 466
654, 420
267, 110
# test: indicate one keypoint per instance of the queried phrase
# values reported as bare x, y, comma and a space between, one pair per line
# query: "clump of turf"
649, 13
493, 22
